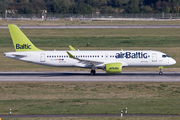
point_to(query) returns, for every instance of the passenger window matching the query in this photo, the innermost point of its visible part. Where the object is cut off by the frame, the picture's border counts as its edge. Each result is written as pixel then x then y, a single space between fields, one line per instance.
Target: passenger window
pixel 167 56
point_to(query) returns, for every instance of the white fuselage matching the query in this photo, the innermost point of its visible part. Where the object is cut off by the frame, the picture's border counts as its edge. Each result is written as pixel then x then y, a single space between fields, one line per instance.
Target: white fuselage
pixel 128 58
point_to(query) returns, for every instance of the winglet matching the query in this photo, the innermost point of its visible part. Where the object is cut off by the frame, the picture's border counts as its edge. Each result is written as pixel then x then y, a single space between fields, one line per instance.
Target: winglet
pixel 72 48
pixel 70 55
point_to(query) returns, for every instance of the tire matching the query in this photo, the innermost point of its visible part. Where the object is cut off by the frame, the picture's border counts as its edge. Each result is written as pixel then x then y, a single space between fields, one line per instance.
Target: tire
pixel 93 72
pixel 160 73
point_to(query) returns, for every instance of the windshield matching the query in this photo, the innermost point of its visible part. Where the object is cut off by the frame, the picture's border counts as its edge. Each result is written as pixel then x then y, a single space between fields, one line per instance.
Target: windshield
pixel 164 56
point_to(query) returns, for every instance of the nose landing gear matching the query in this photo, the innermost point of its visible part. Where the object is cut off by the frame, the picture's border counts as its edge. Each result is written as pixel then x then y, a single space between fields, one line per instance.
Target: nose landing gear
pixel 160 72
pixel 93 72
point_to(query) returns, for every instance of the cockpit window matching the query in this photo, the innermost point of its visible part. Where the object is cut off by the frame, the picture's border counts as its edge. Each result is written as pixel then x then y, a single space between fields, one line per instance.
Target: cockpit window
pixel 164 56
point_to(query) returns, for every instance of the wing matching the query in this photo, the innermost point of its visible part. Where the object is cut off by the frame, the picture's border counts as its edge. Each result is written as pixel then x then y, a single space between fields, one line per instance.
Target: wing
pixel 96 63
pixel 83 60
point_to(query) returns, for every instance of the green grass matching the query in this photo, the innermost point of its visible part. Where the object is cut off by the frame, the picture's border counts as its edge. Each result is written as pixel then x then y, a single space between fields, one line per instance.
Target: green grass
pixel 164 40
pixel 92 106
pixel 98 37
pixel 89 97
pixel 139 41
pixel 97 118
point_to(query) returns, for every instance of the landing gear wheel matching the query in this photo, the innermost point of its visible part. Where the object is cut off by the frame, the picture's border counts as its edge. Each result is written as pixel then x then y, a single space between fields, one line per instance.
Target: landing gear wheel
pixel 93 72
pixel 160 72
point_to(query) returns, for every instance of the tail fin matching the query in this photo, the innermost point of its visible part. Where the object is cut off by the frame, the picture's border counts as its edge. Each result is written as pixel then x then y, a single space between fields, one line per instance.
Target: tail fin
pixel 20 41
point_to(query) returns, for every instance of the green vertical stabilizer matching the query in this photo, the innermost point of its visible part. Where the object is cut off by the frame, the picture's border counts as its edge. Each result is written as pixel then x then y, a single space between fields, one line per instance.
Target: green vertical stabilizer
pixel 20 41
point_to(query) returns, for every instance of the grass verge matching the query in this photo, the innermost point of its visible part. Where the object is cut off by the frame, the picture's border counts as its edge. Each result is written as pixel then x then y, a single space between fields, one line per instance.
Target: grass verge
pixel 98 118
pixel 89 97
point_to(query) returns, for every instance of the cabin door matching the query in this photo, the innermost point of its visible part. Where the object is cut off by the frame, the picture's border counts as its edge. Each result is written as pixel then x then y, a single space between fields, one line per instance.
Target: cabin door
pixel 42 57
pixel 154 57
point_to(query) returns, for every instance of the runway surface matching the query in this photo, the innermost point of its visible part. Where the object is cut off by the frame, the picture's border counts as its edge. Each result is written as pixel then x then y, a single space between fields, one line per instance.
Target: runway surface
pixel 85 76
pixel 92 26
pixel 97 115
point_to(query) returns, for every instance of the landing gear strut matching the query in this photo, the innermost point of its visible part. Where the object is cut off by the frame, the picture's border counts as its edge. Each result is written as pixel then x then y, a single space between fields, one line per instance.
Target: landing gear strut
pixel 160 72
pixel 93 72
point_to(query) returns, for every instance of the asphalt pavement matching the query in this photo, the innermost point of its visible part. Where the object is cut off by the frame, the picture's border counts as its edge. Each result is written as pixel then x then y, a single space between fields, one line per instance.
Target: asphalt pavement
pixel 91 26
pixel 86 77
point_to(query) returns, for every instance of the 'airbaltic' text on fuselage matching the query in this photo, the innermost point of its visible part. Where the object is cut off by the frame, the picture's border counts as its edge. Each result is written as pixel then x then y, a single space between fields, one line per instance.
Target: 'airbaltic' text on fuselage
pixel 24 46
pixel 114 68
pixel 131 55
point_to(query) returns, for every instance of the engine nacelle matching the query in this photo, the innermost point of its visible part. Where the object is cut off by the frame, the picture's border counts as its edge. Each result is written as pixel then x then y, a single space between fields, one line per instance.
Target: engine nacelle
pixel 113 68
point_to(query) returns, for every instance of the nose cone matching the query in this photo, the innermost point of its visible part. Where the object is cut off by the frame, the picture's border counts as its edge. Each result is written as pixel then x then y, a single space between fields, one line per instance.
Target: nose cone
pixel 172 61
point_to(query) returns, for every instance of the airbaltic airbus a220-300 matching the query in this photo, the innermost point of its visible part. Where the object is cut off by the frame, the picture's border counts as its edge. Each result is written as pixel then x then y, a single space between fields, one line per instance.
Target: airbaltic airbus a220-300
pixel 109 61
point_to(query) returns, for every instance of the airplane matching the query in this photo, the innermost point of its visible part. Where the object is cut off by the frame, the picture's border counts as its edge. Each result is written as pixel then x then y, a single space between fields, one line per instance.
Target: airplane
pixel 110 61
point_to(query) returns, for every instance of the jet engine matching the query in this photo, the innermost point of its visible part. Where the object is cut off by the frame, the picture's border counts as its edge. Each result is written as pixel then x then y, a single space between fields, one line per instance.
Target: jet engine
pixel 113 68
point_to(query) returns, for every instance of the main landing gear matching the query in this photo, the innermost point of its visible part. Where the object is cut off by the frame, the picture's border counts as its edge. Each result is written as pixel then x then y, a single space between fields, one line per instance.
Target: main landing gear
pixel 93 72
pixel 160 72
